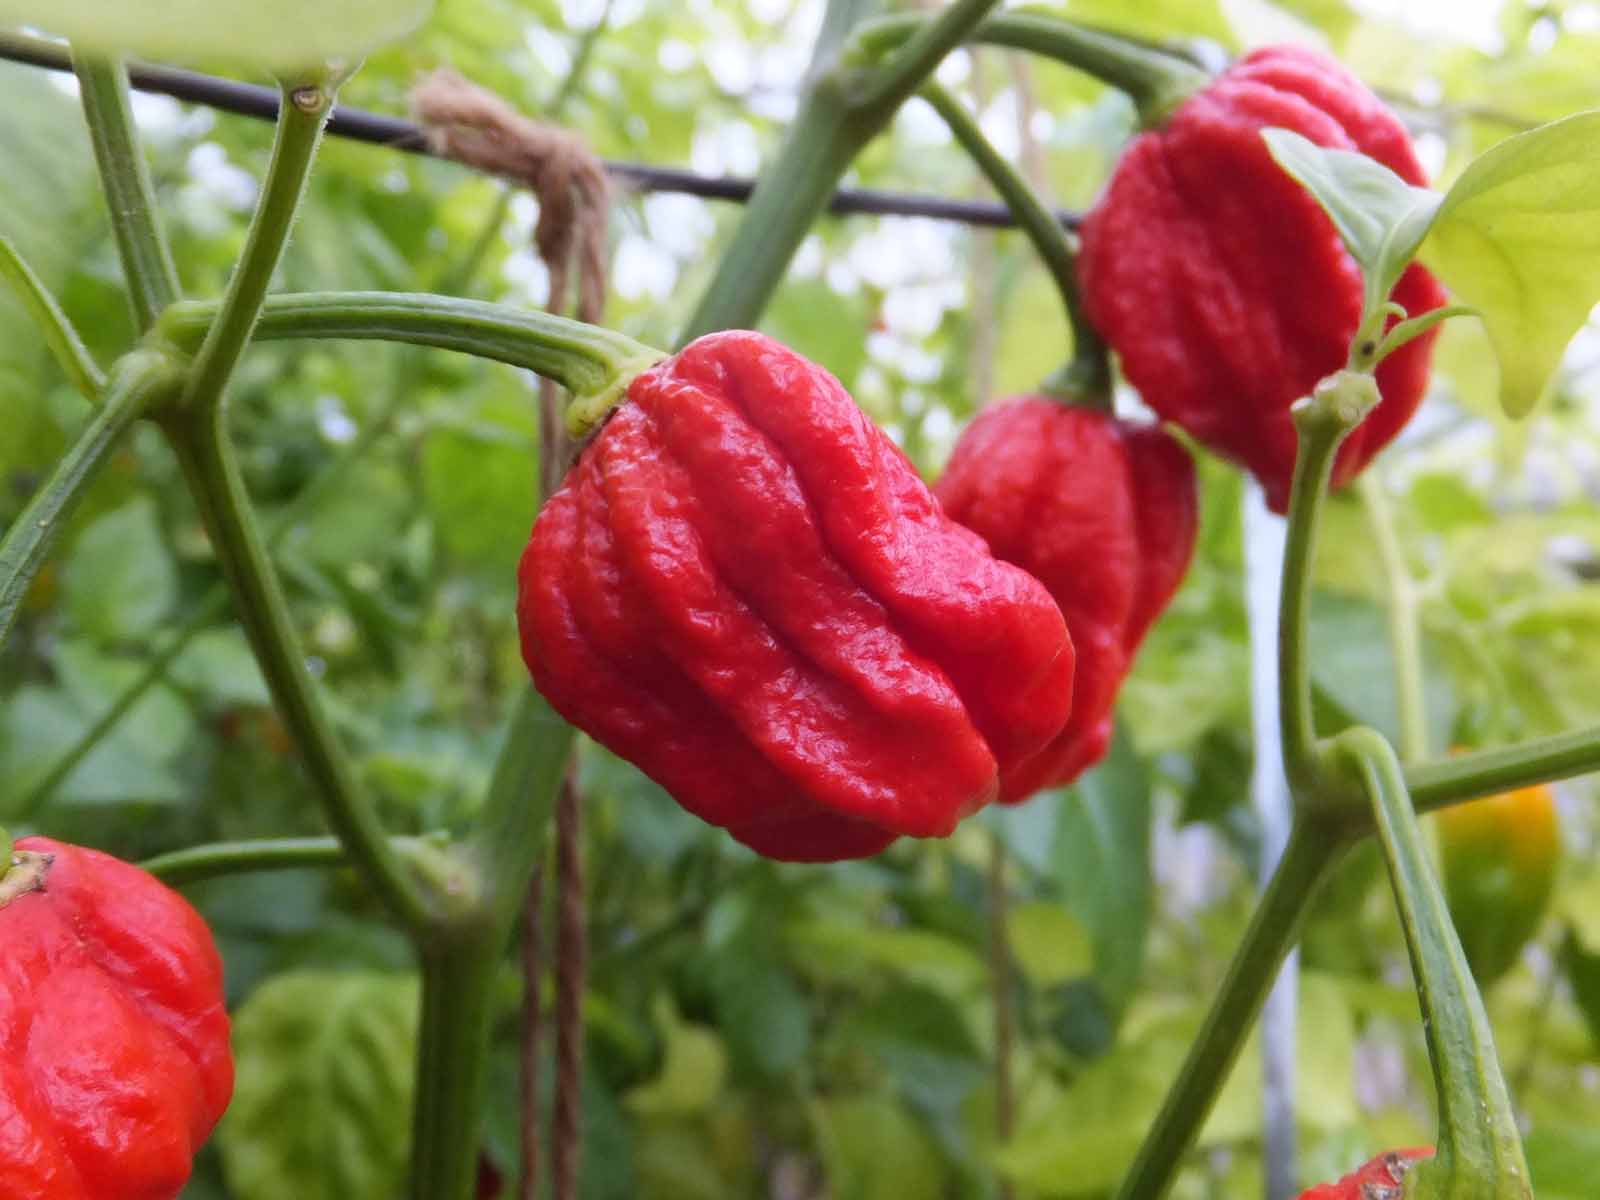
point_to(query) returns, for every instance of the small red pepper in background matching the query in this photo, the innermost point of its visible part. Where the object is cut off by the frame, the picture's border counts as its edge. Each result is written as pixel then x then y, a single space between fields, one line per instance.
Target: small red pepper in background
pixel 1103 513
pixel 114 1057
pixel 744 588
pixel 1225 288
pixel 1381 1179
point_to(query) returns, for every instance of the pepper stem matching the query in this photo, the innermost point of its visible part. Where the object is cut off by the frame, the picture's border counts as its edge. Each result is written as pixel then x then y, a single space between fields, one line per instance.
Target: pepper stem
pixel 1156 82
pixel 1479 1154
pixel 25 872
pixel 1086 379
pixel 6 846
pixel 594 364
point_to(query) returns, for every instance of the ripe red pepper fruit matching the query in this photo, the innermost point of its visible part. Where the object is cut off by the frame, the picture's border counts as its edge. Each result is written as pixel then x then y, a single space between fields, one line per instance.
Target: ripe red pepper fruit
pixel 1225 288
pixel 114 1058
pixel 1381 1179
pixel 1103 513
pixel 744 588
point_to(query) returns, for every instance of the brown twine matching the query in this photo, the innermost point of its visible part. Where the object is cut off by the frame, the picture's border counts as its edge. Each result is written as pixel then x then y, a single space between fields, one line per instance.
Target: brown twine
pixel 532 1030
pixel 478 129
pixel 572 964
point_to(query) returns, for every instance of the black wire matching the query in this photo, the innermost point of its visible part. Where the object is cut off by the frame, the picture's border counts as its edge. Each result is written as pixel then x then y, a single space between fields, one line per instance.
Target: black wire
pixel 251 100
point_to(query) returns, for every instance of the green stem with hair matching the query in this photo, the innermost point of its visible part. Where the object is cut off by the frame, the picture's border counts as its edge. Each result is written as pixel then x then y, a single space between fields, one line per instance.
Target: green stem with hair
pixel 125 179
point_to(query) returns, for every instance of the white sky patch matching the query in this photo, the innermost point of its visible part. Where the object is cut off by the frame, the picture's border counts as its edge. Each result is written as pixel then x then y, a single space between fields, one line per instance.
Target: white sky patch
pixel 1475 22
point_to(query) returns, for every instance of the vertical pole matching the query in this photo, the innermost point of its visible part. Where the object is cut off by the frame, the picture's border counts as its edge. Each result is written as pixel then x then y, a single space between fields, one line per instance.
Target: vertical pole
pixel 1269 793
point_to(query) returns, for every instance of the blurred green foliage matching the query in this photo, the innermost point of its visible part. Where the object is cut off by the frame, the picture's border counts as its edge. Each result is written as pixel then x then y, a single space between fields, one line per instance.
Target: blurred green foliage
pixel 754 1029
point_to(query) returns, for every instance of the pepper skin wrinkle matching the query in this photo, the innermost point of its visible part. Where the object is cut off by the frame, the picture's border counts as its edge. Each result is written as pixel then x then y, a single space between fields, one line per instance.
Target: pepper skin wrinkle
pixel 1381 1179
pixel 1103 513
pixel 114 1056
pixel 744 588
pixel 1221 284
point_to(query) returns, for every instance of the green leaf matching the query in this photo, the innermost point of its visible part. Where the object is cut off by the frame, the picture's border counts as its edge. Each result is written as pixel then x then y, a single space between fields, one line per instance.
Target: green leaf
pixel 692 1073
pixel 321 1108
pixel 1102 854
pixel 760 1010
pixel 219 667
pixel 914 954
pixel 285 35
pixel 1050 944
pixel 875 1150
pixel 923 1040
pixel 1563 1160
pixel 1353 670
pixel 479 481
pixel 1518 238
pixel 1381 218
pixel 120 581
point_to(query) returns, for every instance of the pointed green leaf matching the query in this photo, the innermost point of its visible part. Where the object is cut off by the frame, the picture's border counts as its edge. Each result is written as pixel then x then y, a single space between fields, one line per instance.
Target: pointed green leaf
pixel 323 1098
pixel 1518 238
pixel 1381 218
pixel 287 35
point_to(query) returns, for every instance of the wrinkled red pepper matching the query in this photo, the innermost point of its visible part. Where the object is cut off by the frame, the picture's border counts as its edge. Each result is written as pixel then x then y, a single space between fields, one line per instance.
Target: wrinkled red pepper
pixel 114 1058
pixel 1103 513
pixel 744 588
pixel 1224 287
pixel 1381 1179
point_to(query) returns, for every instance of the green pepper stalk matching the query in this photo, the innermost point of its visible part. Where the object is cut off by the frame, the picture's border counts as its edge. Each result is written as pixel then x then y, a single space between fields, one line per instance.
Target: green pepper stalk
pixel 1156 81
pixel 1479 1154
pixel 1086 378
pixel 594 364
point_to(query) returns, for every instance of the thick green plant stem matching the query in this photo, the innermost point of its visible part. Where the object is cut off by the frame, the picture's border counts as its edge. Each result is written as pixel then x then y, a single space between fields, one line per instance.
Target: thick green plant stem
pixel 1405 628
pixel 139 381
pixel 125 179
pixel 197 431
pixel 459 963
pixel 587 360
pixel 1155 81
pixel 301 115
pixel 843 109
pixel 65 344
pixel 1311 851
pixel 1323 421
pixel 1088 376
pixel 1479 1154
pixel 213 473
pixel 510 834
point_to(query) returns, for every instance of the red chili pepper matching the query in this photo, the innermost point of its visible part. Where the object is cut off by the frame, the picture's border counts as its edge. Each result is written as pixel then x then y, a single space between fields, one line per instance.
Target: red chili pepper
pixel 1381 1179
pixel 744 588
pixel 1224 287
pixel 1103 513
pixel 114 1059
